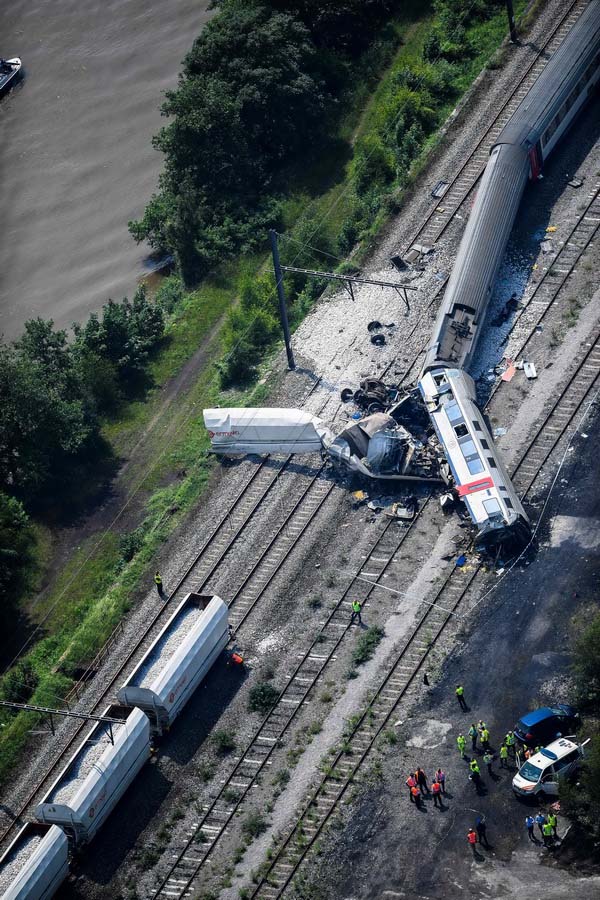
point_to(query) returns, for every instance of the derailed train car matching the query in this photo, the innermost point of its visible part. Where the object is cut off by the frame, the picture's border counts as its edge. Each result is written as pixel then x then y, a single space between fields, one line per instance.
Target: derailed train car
pixel 521 148
pixel 35 864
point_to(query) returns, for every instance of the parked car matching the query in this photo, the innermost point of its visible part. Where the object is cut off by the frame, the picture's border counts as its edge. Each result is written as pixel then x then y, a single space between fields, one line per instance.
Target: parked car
pixel 542 771
pixel 538 728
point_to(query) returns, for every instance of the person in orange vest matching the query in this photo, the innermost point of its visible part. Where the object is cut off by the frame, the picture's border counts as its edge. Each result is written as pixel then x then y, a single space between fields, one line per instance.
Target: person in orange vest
pixel 436 790
pixel 411 782
pixel 416 796
pixel 472 839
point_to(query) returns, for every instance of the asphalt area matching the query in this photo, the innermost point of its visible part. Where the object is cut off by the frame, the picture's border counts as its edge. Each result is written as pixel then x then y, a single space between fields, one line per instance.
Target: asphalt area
pixel 517 657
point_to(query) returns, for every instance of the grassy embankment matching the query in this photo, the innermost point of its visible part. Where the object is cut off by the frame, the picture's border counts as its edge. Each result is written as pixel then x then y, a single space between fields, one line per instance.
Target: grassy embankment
pixel 96 587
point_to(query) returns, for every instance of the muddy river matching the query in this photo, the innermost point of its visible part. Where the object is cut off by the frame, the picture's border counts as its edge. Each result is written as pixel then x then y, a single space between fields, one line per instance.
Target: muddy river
pixel 76 162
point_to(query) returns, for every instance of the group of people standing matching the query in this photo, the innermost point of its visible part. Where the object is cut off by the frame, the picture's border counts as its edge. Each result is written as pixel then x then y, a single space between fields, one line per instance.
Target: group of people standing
pixel 418 788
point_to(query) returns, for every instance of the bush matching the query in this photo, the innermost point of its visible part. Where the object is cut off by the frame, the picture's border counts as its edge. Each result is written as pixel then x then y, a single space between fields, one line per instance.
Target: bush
pixel 254 824
pixel 262 697
pixel 170 293
pixel 16 544
pixel 224 742
pixel 366 644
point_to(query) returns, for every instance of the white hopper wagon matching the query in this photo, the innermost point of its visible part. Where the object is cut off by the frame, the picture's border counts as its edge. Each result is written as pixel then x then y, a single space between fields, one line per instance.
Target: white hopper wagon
pixel 35 864
pixel 97 776
pixel 178 660
pixel 265 431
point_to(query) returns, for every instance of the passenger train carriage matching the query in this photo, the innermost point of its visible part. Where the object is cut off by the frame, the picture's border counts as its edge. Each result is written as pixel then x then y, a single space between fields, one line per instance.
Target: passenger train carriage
pixel 480 478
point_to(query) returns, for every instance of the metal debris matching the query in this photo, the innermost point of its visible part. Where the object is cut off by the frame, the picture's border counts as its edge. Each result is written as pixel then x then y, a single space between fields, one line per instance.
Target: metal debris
pixel 530 370
pixel 440 189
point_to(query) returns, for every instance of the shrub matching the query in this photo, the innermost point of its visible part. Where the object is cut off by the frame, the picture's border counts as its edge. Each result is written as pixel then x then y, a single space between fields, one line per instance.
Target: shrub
pixel 224 742
pixel 262 697
pixel 366 644
pixel 254 824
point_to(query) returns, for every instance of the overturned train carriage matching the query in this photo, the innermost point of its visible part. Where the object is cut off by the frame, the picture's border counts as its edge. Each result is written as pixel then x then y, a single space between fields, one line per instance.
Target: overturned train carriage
pixel 35 864
pixel 480 479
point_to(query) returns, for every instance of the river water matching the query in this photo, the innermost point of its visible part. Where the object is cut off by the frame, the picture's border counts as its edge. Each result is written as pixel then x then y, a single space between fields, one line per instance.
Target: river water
pixel 76 162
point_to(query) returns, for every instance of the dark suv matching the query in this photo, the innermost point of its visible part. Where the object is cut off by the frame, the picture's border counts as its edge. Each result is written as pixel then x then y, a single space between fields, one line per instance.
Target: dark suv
pixel 547 723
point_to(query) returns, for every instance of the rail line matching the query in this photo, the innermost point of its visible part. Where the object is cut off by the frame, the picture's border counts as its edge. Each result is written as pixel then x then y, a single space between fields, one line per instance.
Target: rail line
pixel 317 811
pixel 218 813
pixel 468 175
pixel 233 523
pixel 264 477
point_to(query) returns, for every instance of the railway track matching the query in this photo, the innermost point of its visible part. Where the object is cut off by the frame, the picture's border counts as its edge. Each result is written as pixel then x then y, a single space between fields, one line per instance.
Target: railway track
pixel 264 478
pixel 583 385
pixel 305 501
pixel 219 812
pixel 463 183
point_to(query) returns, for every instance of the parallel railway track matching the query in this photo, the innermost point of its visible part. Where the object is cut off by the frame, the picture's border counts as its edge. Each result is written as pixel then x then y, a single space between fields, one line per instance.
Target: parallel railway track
pixel 219 812
pixel 583 386
pixel 266 474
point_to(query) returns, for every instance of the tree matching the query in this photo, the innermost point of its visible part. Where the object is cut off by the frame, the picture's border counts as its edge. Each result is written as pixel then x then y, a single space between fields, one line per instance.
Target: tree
pixel 45 421
pixel 16 542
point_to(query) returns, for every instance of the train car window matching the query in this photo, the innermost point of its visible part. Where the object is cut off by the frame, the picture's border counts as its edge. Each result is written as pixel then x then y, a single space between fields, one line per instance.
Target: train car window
pixel 485 444
pixel 461 430
pixel 468 448
pixel 491 506
pixel 508 503
pixel 475 466
pixel 453 412
pixel 492 462
pixel 477 425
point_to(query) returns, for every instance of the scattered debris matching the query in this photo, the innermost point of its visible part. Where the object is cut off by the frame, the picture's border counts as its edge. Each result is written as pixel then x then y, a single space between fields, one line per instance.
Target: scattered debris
pixel 374 326
pixel 584 435
pixel 498 432
pixel 440 209
pixel 510 371
pixel 378 340
pixel 546 246
pixel 360 496
pixel 539 328
pixel 575 182
pixel 500 571
pixel 551 229
pixel 447 501
pixel 460 562
pixel 398 263
pixel 423 249
pixel 530 370
pixel 347 395
pixel 440 189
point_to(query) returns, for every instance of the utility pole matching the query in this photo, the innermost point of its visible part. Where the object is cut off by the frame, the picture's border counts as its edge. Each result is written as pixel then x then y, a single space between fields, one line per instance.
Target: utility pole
pixel 511 22
pixel 282 303
pixel 69 714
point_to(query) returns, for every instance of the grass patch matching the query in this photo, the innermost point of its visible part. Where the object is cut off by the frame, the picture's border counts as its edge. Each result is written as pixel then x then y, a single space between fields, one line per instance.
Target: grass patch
pixel 262 697
pixel 223 742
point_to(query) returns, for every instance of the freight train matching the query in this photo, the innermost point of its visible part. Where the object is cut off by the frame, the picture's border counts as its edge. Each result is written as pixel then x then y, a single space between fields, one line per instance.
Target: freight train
pixel 106 762
pixel 476 472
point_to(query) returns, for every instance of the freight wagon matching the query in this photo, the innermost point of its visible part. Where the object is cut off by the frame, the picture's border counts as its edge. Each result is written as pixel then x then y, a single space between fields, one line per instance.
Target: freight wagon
pixel 98 775
pixel 178 660
pixel 35 864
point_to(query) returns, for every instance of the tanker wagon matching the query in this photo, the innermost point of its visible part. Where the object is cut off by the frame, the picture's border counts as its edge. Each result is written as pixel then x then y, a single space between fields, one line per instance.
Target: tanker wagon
pixel 178 660
pixel 35 864
pixel 97 775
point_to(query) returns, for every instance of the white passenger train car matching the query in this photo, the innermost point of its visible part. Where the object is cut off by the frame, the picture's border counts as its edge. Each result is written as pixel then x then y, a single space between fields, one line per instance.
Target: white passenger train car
pixel 97 776
pixel 178 660
pixel 35 864
pixel 480 479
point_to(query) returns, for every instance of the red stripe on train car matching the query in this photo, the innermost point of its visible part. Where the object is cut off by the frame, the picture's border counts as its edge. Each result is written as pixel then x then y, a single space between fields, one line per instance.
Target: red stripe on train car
pixel 474 486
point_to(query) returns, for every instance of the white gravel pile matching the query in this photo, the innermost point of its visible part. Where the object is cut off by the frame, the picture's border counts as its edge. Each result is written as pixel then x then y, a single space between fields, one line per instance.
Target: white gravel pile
pixel 167 646
pixel 20 856
pixel 80 770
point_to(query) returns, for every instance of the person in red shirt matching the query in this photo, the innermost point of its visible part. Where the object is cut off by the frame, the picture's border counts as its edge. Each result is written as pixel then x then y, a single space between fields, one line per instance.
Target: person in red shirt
pixel 472 839
pixel 436 790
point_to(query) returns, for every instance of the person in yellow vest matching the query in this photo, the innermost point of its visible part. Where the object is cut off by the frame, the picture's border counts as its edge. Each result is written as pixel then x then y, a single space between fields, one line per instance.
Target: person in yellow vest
pixel 510 741
pixel 159 585
pixel 485 738
pixel 547 834
pixel 460 696
pixel 504 757
pixel 461 742
pixel 356 609
pixel 553 822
